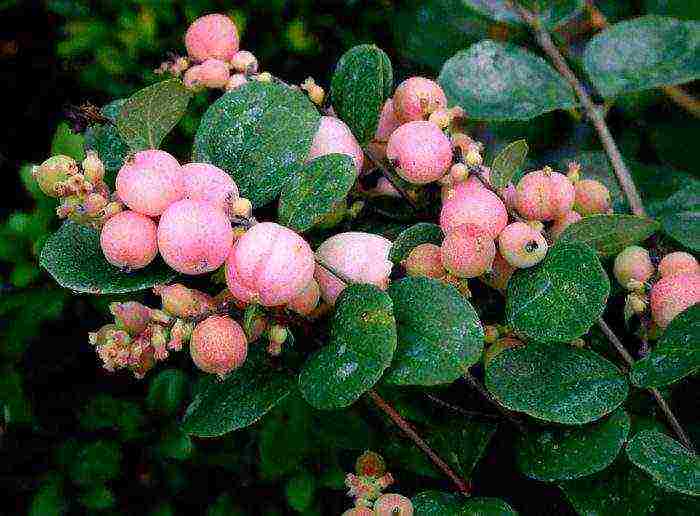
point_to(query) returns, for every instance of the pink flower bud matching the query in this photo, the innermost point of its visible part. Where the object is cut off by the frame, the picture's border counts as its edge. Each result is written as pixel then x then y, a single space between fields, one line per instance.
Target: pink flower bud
pixel 468 251
pixel 128 240
pixel 370 464
pixel 180 301
pixel 307 300
pixel 212 73
pixel 672 295
pixel 131 316
pixel 544 195
pixel 218 345
pixel 388 123
pixel 207 183
pixel 213 36
pixel 244 62
pixel 678 263
pixel 93 168
pixel 333 136
pixel 467 203
pixel 418 97
pixel 421 151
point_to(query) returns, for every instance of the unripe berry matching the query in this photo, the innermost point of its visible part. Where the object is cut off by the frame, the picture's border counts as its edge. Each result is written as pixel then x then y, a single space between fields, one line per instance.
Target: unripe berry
pixel 236 81
pixel 242 208
pixel 194 237
pixel 128 240
pixel 333 136
pixel 672 295
pixel 212 73
pixel 307 300
pixel 218 345
pixel 633 267
pixel 421 151
pixel 591 197
pixel 180 301
pixel 269 264
pixel 499 347
pixel 131 316
pixel 678 263
pixel 54 172
pixel 416 98
pixel 425 260
pixel 392 504
pixel 544 195
pixel 207 183
pixel 213 36
pixel 521 245
pixel 360 257
pixel 93 168
pixel 244 62
pixel 150 181
pixel 561 223
pixel 388 123
pixel 468 251
pixel 465 203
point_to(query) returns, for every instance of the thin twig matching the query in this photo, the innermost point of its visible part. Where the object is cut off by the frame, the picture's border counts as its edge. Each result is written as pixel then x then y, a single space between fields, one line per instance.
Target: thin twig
pixel 462 485
pixel 390 177
pixel 487 395
pixel 460 410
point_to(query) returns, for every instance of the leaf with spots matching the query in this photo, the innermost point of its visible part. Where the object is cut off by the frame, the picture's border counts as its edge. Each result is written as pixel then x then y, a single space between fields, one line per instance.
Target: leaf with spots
pixel 684 227
pixel 438 503
pixel 421 233
pixel 362 344
pixel 556 382
pixel 509 161
pixel 439 333
pixel 610 234
pixel 74 258
pixel 559 299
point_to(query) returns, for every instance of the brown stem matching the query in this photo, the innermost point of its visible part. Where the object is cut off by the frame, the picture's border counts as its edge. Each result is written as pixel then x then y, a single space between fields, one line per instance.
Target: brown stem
pixel 460 410
pixel 462 485
pixel 391 178
pixel 487 395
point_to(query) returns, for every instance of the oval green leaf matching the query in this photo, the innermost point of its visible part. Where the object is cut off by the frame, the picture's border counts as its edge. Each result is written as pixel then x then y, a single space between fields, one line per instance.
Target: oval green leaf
pixel 362 344
pixel 74 258
pixel 421 233
pixel 260 134
pixel 643 53
pixel 509 161
pixel 438 503
pixel 684 227
pixel 559 299
pixel 362 82
pixel 610 234
pixel 439 333
pixel 556 382
pixel 499 81
pixel 666 461
pixel 314 191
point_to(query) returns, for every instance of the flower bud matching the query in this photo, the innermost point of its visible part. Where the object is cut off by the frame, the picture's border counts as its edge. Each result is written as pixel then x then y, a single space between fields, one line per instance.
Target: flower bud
pixel 244 62
pixel 93 168
pixel 56 170
pixel 131 316
pixel 180 301
pixel 370 464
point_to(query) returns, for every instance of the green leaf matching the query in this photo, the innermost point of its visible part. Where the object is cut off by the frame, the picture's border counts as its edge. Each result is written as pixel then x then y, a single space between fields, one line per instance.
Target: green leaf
pixel 485 506
pixel 556 382
pixel 362 81
pixel 300 491
pixel 500 81
pixel 260 134
pixel 151 113
pixel 552 13
pixel 49 499
pixel 167 391
pixel 676 354
pixel 240 400
pixel 509 161
pixel 105 412
pixel 684 227
pixel 315 190
pixel 98 498
pixel 74 258
pixel 96 462
pixel 362 344
pixel 421 233
pixel 438 503
pixel 559 299
pixel 610 234
pixel 569 453
pixel 643 53
pixel 68 143
pixel 106 140
pixel 439 333
pixel 175 444
pixel 666 461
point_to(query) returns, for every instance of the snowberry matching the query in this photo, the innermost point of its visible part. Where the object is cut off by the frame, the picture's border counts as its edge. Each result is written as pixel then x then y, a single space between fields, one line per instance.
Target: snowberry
pixel 563 222
pixel 212 73
pixel 421 151
pixel 218 345
pixel 150 181
pixel 131 316
pixel 388 123
pixel 678 263
pixel 498 347
pixel 128 240
pixel 212 36
pixel 333 136
pixel 466 203
pixel 521 245
pixel 244 62
pixel 424 260
pixel 544 195
pixel 307 300
pixel 52 174
pixel 358 511
pixel 269 264
pixel 633 267
pixel 235 81
pixel 180 301
pixel 392 504
pixel 468 251
pixel 591 197
pixel 207 183
pixel 359 257
pixel 672 295
pixel 194 237
pixel 416 98
pixel 459 173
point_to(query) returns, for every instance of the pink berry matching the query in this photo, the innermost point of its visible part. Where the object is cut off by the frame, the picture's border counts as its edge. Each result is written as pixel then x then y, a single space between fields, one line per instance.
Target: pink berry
pixel 218 345
pixel 244 62
pixel 183 302
pixel 544 195
pixel 150 182
pixel 212 36
pixel 236 81
pixel 269 264
pixel 359 257
pixel 128 240
pixel 468 251
pixel 421 151
pixel 306 301
pixel 425 260
pixel 194 237
pixel 591 197
pixel 672 295
pixel 212 73
pixel 388 123
pixel 358 511
pixel 466 203
pixel 416 98
pixel 633 264
pixel 521 245
pixel 561 223
pixel 207 183
pixel 392 504
pixel 678 263
pixel 333 136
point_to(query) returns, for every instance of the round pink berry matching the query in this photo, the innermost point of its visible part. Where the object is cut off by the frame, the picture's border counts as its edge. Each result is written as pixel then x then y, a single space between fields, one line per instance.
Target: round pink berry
pixel 194 237
pixel 521 245
pixel 561 223
pixel 333 136
pixel 425 260
pixel 672 295
pixel 544 195
pixel 207 183
pixel 218 345
pixel 591 197
pixel 388 123
pixel 468 251
pixel 421 151
pixel 128 240
pixel 307 300
pixel 359 257
pixel 150 181
pixel 467 203
pixel 416 98
pixel 391 504
pixel 633 264
pixel 212 73
pixel 212 36
pixel 678 263
pixel 270 264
